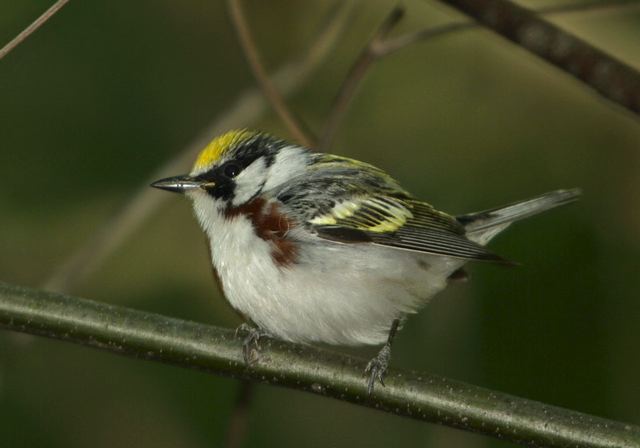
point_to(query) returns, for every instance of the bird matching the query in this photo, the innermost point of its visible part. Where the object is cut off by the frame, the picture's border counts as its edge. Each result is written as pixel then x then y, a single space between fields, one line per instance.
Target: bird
pixel 311 247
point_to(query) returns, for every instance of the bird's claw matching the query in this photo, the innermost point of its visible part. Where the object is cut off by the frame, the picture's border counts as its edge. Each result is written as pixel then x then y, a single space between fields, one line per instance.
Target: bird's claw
pixel 243 328
pixel 250 343
pixel 377 368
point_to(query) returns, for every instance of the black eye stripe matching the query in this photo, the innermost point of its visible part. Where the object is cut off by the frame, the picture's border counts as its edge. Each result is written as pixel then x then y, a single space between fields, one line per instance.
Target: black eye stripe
pixel 223 191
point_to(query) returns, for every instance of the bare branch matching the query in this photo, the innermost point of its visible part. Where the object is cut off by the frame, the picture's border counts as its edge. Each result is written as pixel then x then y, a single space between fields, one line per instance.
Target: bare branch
pixel 391 45
pixel 611 78
pixel 248 107
pixel 380 46
pixel 270 91
pixel 32 28
pixel 217 351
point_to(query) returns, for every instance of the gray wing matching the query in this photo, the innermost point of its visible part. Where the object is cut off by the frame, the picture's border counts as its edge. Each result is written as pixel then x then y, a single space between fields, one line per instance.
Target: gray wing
pixel 417 228
pixel 356 204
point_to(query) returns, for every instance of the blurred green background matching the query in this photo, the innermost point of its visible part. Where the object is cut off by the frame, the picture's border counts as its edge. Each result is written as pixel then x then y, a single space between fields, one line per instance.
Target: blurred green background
pixel 108 91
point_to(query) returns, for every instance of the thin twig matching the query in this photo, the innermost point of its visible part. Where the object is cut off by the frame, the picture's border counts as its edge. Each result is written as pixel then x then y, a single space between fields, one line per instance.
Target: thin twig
pixel 247 108
pixel 392 45
pixel 239 420
pixel 270 91
pixel 32 28
pixel 214 350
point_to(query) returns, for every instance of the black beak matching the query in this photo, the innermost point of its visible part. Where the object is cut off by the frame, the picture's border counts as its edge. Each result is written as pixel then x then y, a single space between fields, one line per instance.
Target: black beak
pixel 178 184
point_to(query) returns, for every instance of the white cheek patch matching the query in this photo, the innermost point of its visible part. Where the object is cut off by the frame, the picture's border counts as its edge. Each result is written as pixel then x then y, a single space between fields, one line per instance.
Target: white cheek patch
pixel 207 209
pixel 250 182
pixel 289 162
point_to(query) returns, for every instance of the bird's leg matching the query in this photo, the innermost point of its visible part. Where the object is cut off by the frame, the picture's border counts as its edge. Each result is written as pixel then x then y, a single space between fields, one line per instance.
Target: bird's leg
pixel 250 343
pixel 377 367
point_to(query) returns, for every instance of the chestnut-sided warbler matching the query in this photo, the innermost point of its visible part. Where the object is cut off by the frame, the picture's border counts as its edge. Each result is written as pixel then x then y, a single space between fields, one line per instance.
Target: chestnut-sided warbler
pixel 314 247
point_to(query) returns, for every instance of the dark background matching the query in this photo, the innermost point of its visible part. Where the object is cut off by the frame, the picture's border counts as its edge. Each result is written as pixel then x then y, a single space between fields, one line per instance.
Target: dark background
pixel 108 91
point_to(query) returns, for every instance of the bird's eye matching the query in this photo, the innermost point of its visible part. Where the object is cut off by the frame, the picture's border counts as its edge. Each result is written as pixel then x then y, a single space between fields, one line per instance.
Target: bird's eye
pixel 232 169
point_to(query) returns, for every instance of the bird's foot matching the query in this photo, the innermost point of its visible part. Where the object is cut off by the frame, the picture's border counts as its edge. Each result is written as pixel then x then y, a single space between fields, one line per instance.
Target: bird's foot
pixel 377 367
pixel 250 343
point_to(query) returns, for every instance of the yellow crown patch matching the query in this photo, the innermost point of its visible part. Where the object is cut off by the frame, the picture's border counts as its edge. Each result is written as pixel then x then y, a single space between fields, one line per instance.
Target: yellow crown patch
pixel 219 146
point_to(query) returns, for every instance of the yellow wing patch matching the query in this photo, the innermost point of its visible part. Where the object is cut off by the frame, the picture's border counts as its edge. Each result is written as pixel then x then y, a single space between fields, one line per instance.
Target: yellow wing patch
pixel 219 146
pixel 379 215
pixel 340 211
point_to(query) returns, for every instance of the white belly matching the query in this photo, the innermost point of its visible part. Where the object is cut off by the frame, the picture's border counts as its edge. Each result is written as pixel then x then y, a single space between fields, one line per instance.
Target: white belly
pixel 334 293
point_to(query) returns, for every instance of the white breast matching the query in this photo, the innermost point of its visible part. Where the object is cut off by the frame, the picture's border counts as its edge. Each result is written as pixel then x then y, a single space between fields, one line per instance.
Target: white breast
pixel 333 293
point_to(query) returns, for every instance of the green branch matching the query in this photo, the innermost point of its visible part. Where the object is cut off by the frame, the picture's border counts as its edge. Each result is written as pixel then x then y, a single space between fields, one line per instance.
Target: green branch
pixel 421 396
